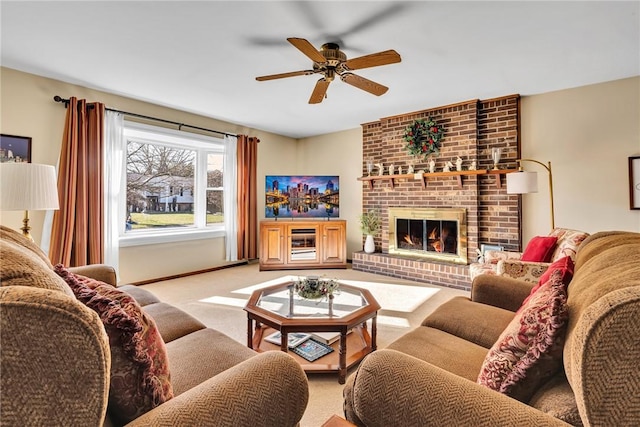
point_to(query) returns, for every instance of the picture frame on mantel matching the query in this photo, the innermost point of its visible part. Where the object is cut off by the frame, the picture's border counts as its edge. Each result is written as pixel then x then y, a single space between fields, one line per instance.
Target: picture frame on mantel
pixel 634 182
pixel 15 149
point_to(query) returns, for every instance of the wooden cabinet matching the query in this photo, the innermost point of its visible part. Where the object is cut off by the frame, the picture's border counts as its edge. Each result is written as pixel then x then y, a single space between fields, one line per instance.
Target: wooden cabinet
pixel 303 244
pixel 272 244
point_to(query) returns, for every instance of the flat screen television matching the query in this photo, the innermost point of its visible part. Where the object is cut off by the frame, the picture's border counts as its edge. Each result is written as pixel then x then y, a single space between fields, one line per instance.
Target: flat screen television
pixel 302 196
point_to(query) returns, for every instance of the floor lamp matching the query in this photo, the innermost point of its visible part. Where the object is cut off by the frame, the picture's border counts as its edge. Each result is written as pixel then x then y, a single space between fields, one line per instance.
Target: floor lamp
pixel 523 182
pixel 28 187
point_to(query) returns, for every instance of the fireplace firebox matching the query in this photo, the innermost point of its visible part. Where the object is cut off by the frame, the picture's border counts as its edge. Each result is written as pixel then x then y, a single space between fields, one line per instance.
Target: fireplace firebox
pixel 433 233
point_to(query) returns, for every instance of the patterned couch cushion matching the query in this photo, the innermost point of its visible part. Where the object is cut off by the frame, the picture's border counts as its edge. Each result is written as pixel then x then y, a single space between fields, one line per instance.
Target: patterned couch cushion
pixel 529 351
pixel 140 378
pixel 568 242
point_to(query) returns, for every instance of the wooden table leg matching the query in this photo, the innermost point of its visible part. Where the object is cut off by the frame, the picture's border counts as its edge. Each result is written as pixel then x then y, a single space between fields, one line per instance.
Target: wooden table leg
pixel 249 332
pixel 342 364
pixel 374 331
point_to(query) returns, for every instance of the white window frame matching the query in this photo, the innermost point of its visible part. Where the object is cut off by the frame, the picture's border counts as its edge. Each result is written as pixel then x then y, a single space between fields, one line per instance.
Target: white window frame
pixel 203 145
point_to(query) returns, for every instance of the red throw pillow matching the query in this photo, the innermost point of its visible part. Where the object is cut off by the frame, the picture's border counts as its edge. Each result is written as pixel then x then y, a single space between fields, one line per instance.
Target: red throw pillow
pixel 529 351
pixel 540 249
pixel 564 265
pixel 140 378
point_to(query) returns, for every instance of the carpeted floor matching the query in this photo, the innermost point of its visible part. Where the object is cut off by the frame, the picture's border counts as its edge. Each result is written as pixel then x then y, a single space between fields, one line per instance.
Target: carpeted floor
pixel 217 299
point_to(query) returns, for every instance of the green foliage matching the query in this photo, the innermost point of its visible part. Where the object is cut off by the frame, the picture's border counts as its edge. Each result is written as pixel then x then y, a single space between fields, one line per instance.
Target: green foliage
pixel 423 137
pixel 370 222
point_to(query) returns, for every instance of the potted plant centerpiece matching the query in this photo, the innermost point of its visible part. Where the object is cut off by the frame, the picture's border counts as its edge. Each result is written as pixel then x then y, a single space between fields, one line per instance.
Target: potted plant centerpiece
pixel 369 225
pixel 313 287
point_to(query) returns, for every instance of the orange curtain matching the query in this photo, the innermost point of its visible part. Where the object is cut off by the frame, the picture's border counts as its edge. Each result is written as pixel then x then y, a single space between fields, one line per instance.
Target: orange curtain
pixel 247 199
pixel 77 233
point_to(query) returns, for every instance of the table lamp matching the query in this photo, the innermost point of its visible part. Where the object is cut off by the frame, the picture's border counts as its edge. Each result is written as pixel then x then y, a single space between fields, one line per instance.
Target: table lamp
pixel 28 187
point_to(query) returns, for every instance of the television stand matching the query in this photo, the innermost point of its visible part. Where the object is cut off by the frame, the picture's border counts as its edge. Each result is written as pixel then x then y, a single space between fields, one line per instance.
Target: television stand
pixel 303 244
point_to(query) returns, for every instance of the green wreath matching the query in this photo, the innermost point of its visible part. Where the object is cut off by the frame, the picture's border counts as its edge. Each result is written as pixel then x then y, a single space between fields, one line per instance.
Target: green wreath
pixel 423 137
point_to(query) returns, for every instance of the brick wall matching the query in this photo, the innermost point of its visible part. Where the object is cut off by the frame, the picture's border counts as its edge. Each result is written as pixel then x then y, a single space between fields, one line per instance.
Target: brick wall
pixel 472 129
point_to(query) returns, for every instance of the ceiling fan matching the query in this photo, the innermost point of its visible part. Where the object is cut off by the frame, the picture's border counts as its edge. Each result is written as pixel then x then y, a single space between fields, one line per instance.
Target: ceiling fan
pixel 331 61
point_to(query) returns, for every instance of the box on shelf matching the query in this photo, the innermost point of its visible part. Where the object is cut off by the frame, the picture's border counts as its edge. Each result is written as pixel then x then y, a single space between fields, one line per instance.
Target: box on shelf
pixel 327 337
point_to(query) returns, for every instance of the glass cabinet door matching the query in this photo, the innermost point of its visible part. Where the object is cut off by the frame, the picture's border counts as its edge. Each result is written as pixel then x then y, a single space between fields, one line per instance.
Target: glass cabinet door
pixel 303 245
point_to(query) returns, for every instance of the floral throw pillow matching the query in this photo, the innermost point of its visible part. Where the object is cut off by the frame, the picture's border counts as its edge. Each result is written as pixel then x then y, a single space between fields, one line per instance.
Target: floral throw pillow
pixel 529 350
pixel 564 265
pixel 140 378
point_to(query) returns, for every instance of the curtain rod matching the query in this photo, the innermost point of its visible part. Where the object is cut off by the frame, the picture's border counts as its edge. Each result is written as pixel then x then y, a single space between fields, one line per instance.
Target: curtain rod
pixel 140 116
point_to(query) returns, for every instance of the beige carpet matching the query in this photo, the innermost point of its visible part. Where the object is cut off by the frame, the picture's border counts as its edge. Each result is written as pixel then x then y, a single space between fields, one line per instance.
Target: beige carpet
pixel 217 299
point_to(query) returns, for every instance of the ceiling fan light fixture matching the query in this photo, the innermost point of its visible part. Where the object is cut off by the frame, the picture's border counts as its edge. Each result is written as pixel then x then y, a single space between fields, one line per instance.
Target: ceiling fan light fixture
pixel 330 60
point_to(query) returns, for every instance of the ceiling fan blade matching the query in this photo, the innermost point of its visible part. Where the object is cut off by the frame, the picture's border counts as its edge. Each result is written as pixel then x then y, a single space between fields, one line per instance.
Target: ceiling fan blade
pixel 307 48
pixel 364 84
pixel 319 91
pixel 283 75
pixel 373 60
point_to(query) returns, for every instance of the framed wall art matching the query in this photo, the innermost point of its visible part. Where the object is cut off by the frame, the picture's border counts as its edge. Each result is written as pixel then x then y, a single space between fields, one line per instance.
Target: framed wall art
pixel 15 149
pixel 634 182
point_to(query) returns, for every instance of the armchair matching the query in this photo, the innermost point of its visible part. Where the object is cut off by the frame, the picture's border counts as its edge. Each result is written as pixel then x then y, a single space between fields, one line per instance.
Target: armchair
pixel 510 264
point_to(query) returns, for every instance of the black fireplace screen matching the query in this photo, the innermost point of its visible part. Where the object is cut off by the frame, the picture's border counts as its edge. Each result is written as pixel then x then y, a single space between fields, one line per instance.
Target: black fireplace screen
pixel 427 235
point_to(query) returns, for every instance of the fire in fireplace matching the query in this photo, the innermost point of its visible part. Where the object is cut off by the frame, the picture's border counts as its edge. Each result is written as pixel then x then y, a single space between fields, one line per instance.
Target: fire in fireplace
pixel 437 233
pixel 427 235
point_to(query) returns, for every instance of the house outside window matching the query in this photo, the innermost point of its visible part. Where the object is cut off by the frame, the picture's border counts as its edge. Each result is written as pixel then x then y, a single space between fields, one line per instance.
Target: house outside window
pixel 174 186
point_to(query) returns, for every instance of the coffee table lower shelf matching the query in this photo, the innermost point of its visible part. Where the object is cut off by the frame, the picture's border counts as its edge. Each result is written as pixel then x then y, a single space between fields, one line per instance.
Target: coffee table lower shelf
pixel 358 346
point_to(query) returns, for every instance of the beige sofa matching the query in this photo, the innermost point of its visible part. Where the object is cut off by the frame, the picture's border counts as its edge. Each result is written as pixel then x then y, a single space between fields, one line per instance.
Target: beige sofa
pixel 55 358
pixel 428 377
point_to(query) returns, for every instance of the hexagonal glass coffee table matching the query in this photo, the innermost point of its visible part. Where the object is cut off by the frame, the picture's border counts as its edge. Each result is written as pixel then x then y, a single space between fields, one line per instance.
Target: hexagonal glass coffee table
pixel 278 308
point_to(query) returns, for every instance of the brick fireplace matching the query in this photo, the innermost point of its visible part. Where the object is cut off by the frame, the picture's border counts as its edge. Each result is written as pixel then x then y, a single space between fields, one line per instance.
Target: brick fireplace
pixel 490 215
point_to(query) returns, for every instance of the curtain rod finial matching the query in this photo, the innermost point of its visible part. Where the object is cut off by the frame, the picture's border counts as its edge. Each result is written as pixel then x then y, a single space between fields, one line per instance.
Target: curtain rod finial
pixel 62 100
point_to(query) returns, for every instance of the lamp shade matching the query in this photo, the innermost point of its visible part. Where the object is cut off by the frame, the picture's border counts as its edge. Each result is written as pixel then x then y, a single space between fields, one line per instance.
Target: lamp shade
pixel 28 187
pixel 522 182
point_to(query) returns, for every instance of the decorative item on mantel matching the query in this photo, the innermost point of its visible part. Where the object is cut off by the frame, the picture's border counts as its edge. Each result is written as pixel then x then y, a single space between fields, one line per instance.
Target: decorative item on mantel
pixel 370 225
pixel 447 167
pixel 423 137
pixel 432 165
pixel 473 166
pixel 380 167
pixel 496 155
pixel 459 163
pixel 369 165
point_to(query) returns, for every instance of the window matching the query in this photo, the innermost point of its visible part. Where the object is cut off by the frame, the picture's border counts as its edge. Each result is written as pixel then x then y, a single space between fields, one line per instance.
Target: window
pixel 174 185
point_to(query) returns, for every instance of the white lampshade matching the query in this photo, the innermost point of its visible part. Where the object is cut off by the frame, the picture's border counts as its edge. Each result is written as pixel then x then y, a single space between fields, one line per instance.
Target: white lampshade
pixel 522 182
pixel 28 187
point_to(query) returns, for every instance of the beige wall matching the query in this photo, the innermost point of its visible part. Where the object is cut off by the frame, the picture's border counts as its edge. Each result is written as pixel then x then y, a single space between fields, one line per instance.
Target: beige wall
pixel 339 154
pixel 27 109
pixel 587 133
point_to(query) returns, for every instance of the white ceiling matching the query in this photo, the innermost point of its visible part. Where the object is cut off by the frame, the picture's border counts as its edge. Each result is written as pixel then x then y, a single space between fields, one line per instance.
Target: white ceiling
pixel 203 56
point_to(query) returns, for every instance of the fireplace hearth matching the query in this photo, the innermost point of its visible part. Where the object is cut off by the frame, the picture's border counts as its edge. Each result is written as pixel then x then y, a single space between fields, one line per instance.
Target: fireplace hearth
pixel 430 233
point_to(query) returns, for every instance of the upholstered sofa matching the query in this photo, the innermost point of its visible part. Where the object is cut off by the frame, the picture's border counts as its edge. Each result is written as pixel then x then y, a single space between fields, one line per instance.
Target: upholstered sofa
pixel 430 376
pixel 510 264
pixel 55 357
